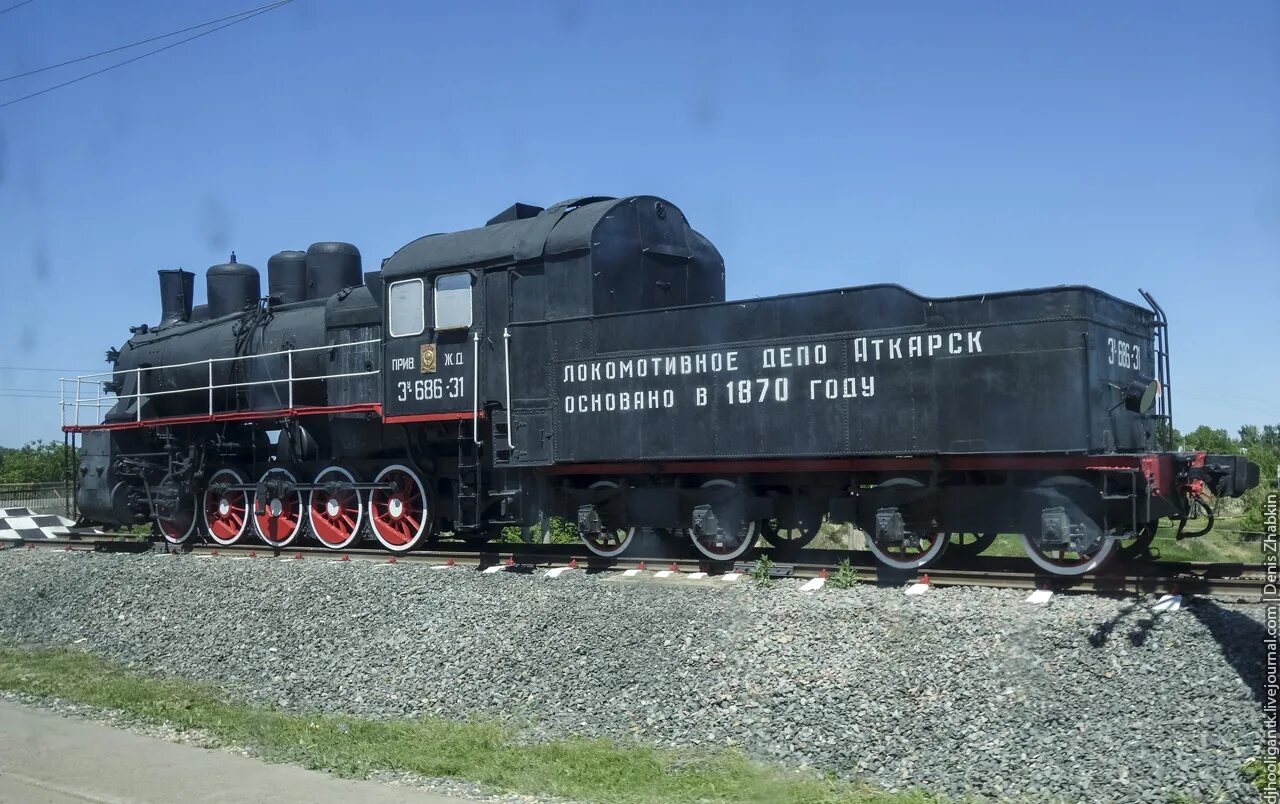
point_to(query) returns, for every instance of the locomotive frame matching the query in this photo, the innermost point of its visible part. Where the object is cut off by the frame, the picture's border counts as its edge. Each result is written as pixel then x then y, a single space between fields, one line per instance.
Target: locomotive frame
pixel 581 361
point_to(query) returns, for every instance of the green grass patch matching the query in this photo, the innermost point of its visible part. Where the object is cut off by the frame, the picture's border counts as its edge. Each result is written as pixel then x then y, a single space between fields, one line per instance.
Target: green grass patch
pixel 1225 543
pixel 1222 544
pixel 487 753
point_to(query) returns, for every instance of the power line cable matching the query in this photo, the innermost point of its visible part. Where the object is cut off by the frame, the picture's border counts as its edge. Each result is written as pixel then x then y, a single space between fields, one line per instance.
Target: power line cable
pixel 144 55
pixel 15 5
pixel 267 7
pixel 33 368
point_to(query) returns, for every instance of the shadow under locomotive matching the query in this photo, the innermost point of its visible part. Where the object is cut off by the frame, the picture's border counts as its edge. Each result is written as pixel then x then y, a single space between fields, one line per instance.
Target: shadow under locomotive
pixel 581 362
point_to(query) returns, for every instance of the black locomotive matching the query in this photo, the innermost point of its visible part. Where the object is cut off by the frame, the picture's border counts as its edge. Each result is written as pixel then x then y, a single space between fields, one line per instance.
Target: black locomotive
pixel 581 361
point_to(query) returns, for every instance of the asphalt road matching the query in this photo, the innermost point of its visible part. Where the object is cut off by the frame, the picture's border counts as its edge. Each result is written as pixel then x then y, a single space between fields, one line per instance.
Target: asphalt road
pixel 47 759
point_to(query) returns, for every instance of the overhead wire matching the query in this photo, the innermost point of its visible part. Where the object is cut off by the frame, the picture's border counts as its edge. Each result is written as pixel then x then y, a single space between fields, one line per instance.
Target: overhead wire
pixel 33 368
pixel 15 5
pixel 248 16
pixel 149 40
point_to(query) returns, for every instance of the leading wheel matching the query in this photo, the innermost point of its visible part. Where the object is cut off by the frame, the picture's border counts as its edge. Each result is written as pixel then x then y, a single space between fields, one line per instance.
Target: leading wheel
pixel 401 512
pixel 727 533
pixel 335 509
pixel 277 517
pixel 225 512
pixel 175 517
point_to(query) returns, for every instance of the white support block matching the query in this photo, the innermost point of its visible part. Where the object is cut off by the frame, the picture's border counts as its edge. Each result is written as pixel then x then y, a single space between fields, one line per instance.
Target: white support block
pixel 1169 603
pixel 697 576
pixel 442 566
pixel 662 573
pixel 492 570
pixel 813 584
pixel 917 588
pixel 556 572
pixel 731 576
pixel 631 573
pixel 1040 596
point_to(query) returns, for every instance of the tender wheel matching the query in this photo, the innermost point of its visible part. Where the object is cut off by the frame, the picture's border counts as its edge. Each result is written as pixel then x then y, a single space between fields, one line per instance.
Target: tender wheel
pixel 280 520
pixel 1138 545
pixel 970 544
pixel 789 539
pixel 721 531
pixel 610 541
pixel 335 509
pixel 1067 499
pixel 914 552
pixel 225 512
pixel 1065 562
pixel 401 514
pixel 894 542
pixel 176 520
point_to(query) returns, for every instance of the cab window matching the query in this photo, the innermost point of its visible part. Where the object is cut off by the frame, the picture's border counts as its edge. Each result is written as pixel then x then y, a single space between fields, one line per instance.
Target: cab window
pixel 405 308
pixel 453 301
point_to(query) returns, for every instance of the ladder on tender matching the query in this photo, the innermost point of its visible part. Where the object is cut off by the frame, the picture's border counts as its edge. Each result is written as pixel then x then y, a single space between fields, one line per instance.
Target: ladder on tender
pixel 470 477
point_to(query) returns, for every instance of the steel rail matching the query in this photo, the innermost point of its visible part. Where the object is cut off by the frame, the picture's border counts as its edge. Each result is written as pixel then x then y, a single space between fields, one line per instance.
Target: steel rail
pixel 1220 579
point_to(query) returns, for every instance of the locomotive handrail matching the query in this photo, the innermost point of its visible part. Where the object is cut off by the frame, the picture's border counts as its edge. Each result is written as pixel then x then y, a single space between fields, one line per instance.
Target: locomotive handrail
pixel 110 398
pixel 506 370
pixel 475 387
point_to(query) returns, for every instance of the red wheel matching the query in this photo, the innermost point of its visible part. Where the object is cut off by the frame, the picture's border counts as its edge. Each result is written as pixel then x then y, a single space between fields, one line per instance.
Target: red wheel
pixel 335 509
pixel 281 517
pixel 226 512
pixel 400 514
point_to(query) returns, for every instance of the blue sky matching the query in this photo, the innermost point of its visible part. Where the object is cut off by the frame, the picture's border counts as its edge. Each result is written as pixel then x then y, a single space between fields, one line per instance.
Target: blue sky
pixel 950 147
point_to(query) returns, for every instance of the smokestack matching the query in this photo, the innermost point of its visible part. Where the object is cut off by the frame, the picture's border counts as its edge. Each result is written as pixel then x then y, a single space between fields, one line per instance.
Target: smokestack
pixel 176 286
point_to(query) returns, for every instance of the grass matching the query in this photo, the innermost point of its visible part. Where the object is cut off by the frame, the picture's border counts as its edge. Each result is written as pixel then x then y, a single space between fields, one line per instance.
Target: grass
pixel 487 753
pixel 1222 544
pixel 762 571
pixel 845 576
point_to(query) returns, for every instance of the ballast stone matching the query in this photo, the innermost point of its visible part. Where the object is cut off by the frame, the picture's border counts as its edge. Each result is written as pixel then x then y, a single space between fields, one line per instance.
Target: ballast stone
pixel 974 694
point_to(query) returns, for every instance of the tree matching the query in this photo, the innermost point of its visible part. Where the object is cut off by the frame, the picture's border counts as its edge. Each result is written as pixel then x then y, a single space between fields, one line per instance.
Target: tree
pixel 1208 439
pixel 37 462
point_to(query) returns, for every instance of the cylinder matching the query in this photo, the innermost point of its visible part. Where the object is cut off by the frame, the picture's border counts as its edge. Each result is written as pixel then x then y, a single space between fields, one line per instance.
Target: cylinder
pixel 231 287
pixel 176 286
pixel 287 276
pixel 332 267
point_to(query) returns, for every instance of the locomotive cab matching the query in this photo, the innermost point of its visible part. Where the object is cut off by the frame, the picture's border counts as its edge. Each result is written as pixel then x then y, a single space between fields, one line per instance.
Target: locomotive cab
pixel 449 297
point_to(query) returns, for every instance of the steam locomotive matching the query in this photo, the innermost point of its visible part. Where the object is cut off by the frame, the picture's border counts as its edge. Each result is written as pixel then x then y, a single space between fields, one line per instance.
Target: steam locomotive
pixel 581 361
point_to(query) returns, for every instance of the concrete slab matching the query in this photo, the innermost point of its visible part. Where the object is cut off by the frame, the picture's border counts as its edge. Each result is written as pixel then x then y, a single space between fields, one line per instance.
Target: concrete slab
pixel 47 759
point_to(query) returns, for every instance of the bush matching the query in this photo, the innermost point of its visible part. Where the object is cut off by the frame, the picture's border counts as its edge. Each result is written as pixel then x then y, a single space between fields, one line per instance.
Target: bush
pixel 562 532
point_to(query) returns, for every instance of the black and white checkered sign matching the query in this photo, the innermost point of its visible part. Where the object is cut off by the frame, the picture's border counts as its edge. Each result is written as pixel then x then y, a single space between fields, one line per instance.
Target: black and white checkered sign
pixel 20 524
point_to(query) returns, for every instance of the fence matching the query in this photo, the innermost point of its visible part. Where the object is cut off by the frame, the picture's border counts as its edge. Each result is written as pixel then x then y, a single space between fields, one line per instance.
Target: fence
pixel 41 498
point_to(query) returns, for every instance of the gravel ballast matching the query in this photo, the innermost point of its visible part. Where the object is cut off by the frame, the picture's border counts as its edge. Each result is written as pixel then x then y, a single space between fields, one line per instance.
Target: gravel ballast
pixel 958 691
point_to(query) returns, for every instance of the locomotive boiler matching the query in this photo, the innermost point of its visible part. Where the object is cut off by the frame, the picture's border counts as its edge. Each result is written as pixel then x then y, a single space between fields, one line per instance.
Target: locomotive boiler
pixel 581 361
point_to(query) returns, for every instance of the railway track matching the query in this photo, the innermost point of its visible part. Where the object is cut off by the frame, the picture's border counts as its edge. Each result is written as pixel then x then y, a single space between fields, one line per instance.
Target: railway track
pixel 1217 579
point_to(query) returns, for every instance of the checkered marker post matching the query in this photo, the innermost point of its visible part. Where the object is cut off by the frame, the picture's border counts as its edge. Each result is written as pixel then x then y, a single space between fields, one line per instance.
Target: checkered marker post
pixel 20 524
